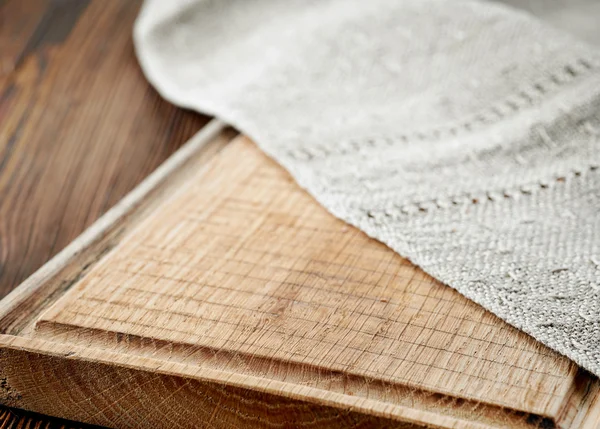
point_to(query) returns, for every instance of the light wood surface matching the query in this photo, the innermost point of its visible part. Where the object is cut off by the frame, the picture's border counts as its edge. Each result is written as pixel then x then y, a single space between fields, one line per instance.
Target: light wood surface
pixel 238 301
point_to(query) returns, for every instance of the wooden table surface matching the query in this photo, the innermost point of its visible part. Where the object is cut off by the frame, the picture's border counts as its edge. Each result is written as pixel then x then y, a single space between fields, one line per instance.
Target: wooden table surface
pixel 79 128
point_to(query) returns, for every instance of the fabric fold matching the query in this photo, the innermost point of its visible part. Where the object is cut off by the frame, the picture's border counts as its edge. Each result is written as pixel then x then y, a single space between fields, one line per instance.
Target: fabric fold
pixel 464 135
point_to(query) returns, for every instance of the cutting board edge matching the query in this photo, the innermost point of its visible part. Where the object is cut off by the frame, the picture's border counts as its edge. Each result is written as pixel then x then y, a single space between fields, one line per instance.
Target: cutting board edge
pixel 17 353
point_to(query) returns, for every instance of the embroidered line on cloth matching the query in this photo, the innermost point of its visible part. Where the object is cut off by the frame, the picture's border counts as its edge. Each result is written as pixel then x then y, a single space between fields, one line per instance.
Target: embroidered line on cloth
pixel 527 97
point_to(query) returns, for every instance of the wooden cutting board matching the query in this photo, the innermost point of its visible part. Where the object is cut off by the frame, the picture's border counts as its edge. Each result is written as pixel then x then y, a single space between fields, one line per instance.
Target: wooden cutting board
pixel 220 294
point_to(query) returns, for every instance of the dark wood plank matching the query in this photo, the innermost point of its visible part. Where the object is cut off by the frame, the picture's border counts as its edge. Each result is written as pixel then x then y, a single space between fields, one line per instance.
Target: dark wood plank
pixel 18 21
pixel 79 128
pixel 24 30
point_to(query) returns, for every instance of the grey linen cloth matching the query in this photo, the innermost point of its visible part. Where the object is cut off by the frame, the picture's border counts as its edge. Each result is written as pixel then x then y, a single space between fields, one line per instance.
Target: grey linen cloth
pixel 465 135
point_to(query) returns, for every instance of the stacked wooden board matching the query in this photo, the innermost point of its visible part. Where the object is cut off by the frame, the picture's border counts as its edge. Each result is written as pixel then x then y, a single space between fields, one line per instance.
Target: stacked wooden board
pixel 220 294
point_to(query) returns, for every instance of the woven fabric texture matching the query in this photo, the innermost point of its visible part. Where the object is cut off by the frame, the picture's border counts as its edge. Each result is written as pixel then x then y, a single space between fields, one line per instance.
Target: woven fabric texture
pixel 465 135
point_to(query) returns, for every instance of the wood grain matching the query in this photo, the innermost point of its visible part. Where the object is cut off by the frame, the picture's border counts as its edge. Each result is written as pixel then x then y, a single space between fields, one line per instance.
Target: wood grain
pixel 79 125
pixel 238 300
pixel 53 135
pixel 79 128
pixel 19 419
pixel 245 264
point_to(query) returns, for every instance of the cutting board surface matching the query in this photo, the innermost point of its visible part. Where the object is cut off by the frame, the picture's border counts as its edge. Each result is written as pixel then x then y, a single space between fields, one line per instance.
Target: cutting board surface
pixel 245 263
pixel 239 278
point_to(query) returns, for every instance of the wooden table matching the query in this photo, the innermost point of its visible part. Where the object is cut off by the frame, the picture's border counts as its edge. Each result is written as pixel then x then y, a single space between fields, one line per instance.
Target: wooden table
pixel 79 128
